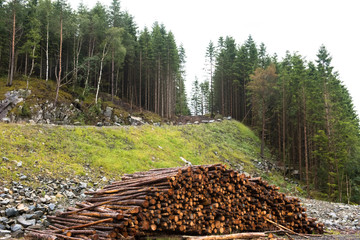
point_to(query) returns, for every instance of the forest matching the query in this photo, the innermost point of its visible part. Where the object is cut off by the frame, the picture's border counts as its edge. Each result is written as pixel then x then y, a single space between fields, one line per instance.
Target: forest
pixel 98 50
pixel 300 109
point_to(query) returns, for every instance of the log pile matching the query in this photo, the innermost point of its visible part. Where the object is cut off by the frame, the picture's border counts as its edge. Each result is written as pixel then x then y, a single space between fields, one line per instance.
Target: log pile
pixel 197 200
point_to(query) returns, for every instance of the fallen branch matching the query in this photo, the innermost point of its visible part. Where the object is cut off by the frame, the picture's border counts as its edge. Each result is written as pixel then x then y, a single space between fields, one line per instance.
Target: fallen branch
pixel 285 228
pixel 228 236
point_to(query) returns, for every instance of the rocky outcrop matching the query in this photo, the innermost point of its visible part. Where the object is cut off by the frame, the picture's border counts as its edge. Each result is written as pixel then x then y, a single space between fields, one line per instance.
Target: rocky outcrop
pixel 12 98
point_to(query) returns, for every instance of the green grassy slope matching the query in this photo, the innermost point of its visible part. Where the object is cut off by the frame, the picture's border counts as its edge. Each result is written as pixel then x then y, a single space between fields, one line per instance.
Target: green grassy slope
pixel 112 151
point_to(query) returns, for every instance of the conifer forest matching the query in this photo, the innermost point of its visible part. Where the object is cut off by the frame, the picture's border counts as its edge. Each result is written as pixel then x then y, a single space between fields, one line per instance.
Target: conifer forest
pixel 300 109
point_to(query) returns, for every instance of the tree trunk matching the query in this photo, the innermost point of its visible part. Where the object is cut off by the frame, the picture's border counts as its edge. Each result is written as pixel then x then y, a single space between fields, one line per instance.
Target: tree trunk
pixel 26 64
pixel 100 73
pixel 32 67
pixel 47 51
pixel 112 73
pixel 263 129
pixel 12 65
pixel 306 150
pixel 299 147
pixel 283 124
pixel 140 79
pixel 58 81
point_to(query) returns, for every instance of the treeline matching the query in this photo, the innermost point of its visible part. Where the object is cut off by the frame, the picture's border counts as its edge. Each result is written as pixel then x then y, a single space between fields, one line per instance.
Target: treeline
pixel 97 50
pixel 299 107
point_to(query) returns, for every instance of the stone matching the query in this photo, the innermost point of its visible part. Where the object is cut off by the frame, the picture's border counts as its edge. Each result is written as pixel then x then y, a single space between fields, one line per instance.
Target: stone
pixel 26 223
pixel 99 124
pixel 108 112
pixel 4 232
pixel 83 185
pixel 32 122
pixel 23 177
pixel 104 179
pixel 38 214
pixel 11 212
pixel 69 194
pixel 5 159
pixel 196 122
pixel 6 120
pixel 333 215
pixel 136 121
pixel 22 208
pixel 185 161
pixel 19 164
pixel 16 227
pixel 5 202
pixel 52 206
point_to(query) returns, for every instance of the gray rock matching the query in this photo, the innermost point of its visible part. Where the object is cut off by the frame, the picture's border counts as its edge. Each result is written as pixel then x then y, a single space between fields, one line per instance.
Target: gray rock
pixel 185 161
pixel 69 194
pixel 19 164
pixel 83 185
pixel 38 214
pixel 23 177
pixel 2 227
pixel 26 223
pixel 136 121
pixel 3 219
pixel 99 124
pixel 6 120
pixel 16 227
pixel 333 215
pixel 108 112
pixel 4 232
pixel 5 202
pixel 11 212
pixel 52 206
pixel 5 159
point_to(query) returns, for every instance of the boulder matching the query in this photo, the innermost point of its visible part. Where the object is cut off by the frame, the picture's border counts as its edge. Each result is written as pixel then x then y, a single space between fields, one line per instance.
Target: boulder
pixel 108 112
pixel 6 120
pixel 136 121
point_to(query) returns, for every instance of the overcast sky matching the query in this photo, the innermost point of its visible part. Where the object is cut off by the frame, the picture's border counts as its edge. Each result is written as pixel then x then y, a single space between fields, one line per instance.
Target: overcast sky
pixel 297 26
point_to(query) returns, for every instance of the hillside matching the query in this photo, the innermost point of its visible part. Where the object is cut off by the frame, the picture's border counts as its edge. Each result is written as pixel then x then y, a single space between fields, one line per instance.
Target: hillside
pixel 60 144
pixel 112 151
pixel 73 107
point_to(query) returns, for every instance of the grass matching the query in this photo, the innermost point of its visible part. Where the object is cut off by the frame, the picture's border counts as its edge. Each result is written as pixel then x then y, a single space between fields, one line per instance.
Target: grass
pixel 59 151
pixel 72 151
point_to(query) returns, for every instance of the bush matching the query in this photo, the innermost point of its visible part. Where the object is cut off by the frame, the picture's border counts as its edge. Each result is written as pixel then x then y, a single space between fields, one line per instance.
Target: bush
pixel 24 111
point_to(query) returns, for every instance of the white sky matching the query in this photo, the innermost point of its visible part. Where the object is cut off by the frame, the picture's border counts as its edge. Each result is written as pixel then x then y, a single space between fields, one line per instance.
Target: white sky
pixel 294 25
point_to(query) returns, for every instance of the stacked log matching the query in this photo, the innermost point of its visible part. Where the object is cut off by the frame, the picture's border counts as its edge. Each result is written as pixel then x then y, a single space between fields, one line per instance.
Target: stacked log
pixel 196 200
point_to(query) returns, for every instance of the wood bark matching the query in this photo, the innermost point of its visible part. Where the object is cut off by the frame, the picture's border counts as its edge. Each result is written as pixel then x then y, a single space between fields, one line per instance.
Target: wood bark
pixel 200 200
pixel 104 53
pixel 12 55
pixel 58 80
